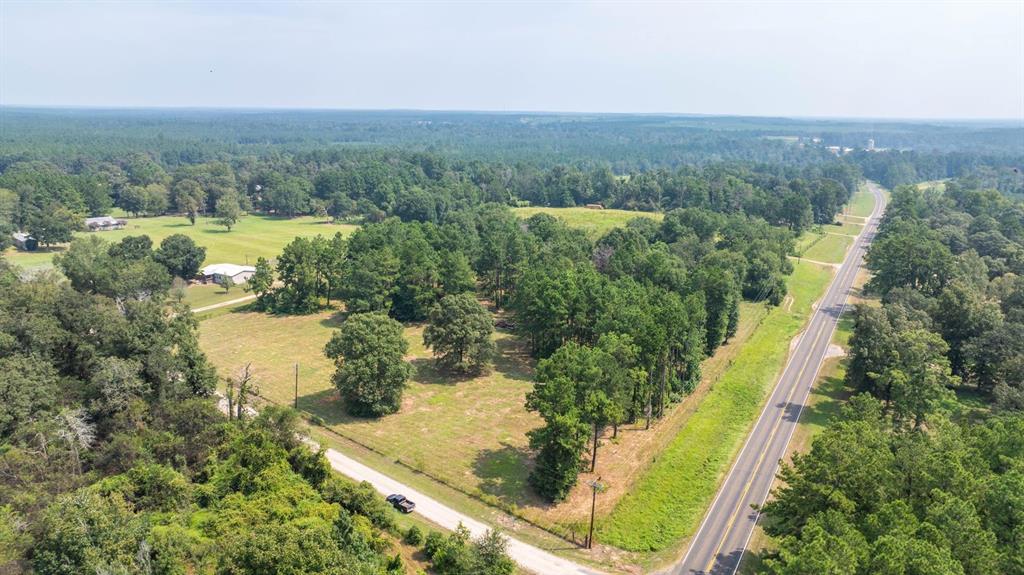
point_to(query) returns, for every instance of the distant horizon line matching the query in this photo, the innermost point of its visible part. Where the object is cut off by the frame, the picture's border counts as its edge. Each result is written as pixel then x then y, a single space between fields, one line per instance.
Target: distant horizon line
pixel 858 119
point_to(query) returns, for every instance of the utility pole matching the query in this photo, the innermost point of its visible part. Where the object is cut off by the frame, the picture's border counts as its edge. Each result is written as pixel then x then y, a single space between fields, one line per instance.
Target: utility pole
pixel 595 485
pixel 296 405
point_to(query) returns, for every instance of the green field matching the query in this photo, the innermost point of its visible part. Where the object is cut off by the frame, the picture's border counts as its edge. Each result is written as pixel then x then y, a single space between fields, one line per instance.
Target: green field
pixel 594 222
pixel 252 237
pixel 848 228
pixel 667 504
pixel 203 295
pixel 806 240
pixel 861 204
pixel 828 248
pixel 937 185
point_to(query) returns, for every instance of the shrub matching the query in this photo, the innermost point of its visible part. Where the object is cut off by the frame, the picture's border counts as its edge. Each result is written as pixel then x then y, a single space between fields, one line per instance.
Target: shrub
pixel 433 543
pixel 414 536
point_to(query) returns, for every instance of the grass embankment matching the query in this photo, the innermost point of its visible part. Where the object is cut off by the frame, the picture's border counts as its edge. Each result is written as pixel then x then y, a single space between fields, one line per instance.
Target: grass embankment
pixel 252 237
pixel 828 248
pixel 861 203
pixel 595 223
pixel 667 503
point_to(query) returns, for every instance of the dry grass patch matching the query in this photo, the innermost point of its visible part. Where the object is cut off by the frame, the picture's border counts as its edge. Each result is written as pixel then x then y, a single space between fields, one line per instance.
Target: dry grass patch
pixel 467 431
pixel 595 223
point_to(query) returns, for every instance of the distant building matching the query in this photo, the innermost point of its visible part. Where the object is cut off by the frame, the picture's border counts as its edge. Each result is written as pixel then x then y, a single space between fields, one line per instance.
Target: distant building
pixel 103 223
pixel 214 273
pixel 595 207
pixel 871 145
pixel 25 242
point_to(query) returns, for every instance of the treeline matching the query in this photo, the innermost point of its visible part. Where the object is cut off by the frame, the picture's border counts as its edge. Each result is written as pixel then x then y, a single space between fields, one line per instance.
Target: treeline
pixel 644 305
pixel 629 143
pixel 870 499
pixel 908 479
pixel 893 168
pixel 49 201
pixel 621 331
pixel 948 266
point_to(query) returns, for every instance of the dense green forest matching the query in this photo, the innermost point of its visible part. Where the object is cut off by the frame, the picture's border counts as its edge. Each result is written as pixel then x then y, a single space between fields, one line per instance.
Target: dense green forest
pixel 924 472
pixel 626 142
pixel 115 458
pixel 59 165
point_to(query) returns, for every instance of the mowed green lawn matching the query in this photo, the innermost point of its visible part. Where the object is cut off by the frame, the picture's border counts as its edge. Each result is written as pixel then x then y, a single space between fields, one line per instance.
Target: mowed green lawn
pixel 595 223
pixel 861 204
pixel 829 248
pixel 252 237
pixel 202 295
pixel 666 505
pixel 844 227
pixel 470 432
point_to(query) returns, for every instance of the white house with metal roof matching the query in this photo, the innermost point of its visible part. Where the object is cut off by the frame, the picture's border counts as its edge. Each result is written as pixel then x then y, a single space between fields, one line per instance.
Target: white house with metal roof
pixel 238 274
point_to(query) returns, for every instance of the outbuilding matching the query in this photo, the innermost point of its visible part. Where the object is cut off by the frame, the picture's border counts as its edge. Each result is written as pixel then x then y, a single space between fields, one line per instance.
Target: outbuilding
pixel 214 273
pixel 25 242
pixel 103 223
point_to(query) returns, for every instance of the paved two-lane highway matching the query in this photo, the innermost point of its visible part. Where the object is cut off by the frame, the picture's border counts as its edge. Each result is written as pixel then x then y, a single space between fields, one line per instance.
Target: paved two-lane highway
pixel 719 544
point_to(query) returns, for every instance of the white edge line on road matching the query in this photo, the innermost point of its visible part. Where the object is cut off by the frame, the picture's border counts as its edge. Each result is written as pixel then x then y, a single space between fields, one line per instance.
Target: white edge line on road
pixel 739 456
pixel 768 403
pixel 807 394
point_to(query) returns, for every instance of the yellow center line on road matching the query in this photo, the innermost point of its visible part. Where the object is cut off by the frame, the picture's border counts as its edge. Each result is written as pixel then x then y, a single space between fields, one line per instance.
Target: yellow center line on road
pixel 764 452
pixel 852 267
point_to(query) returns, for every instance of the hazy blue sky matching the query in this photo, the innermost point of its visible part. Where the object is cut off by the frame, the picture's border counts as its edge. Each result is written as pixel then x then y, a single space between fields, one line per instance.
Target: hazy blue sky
pixel 963 60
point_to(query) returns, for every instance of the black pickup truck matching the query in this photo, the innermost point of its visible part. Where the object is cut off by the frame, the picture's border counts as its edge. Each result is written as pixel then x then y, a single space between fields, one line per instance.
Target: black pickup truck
pixel 400 503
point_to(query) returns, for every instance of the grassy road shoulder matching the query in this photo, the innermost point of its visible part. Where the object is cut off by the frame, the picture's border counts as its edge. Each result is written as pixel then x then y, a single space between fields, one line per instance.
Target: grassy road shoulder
pixel 666 505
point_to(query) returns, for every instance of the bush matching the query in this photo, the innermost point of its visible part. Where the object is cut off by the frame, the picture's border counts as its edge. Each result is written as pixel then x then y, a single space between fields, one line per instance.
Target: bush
pixel 413 536
pixel 433 543
pixel 360 499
